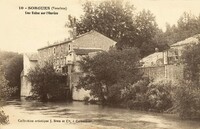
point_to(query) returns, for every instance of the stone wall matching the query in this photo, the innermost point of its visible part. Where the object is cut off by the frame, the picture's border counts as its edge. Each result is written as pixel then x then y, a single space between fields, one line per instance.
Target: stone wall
pixel 173 73
pixel 79 94
pixel 56 53
pixel 25 87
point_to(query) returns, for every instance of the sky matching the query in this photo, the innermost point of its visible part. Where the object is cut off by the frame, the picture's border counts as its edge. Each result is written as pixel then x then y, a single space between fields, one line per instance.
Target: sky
pixel 20 32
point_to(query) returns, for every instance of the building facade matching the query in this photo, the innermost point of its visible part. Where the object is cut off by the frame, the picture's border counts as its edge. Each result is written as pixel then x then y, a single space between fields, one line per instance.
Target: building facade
pixel 167 64
pixel 30 60
pixel 65 57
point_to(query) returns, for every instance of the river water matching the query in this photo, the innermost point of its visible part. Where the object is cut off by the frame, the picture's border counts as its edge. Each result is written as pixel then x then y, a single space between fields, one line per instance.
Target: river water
pixel 77 115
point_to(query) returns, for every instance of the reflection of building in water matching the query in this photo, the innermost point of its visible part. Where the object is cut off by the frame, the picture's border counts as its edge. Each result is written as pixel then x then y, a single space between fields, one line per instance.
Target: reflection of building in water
pixel 65 56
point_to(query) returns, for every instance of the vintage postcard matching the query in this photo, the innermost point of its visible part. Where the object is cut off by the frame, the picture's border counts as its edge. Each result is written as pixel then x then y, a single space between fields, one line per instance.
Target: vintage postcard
pixel 99 64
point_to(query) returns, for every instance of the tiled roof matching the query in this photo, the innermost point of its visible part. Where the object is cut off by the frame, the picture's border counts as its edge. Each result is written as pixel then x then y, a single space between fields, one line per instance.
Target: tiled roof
pixel 155 55
pixel 191 40
pixel 92 39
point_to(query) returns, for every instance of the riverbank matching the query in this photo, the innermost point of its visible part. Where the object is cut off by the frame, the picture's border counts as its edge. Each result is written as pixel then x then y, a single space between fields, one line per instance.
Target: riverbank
pixel 77 115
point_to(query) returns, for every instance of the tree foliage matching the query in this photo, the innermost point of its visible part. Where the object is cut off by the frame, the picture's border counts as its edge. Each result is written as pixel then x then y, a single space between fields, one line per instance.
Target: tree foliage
pixel 187 100
pixel 191 59
pixel 5 93
pixel 46 83
pixel 5 90
pixel 12 65
pixel 187 25
pixel 148 95
pixel 13 69
pixel 108 72
pixel 187 94
pixel 120 22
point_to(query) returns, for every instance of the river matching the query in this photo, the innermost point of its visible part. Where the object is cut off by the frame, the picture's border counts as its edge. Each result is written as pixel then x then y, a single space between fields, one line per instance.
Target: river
pixel 77 115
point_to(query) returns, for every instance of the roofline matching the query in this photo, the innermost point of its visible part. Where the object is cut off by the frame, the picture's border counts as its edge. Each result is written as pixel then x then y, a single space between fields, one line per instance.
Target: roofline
pixel 176 44
pixel 55 45
pixel 65 41
pixel 87 48
pixel 34 60
pixel 72 40
pixel 179 45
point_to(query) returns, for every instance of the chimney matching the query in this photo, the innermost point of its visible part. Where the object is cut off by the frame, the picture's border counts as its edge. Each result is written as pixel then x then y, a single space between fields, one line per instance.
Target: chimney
pixel 71 34
pixel 74 32
pixel 72 26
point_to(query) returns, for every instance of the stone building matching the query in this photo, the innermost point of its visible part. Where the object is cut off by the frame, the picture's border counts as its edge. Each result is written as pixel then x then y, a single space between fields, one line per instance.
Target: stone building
pixel 29 62
pixel 167 64
pixel 65 56
pixel 170 56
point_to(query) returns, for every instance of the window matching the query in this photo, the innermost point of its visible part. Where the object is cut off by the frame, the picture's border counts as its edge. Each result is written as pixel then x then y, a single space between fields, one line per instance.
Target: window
pixel 65 69
pixel 58 61
pixel 61 48
pixel 69 47
pixel 61 61
pixel 54 50
pixel 54 62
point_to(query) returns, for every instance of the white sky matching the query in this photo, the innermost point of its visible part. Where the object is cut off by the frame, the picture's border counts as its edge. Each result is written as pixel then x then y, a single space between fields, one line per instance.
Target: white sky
pixel 27 33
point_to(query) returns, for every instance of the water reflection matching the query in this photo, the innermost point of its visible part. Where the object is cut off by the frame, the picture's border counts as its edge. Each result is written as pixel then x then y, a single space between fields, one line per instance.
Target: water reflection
pixel 95 116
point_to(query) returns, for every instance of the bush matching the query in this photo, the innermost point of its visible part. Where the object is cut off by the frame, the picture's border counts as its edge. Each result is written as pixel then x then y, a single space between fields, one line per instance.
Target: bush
pixel 160 95
pixel 5 93
pixel 148 95
pixel 47 84
pixel 135 95
pixel 187 100
pixel 3 118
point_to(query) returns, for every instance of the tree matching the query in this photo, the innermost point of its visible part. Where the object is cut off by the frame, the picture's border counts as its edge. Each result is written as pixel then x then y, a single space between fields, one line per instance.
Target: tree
pixel 12 66
pixel 108 73
pixel 160 40
pixel 110 18
pixel 147 28
pixel 191 59
pixel 5 93
pixel 187 25
pixel 118 21
pixel 46 83
pixel 187 93
pixel 13 69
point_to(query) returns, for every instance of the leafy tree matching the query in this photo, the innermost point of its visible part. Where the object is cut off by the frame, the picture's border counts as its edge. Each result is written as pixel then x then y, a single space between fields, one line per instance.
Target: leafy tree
pixel 5 93
pixel 147 28
pixel 191 59
pixel 12 65
pixel 187 93
pixel 5 90
pixel 110 18
pixel 187 100
pixel 109 72
pixel 46 83
pixel 5 56
pixel 188 25
pixel 118 21
pixel 13 69
pixel 160 40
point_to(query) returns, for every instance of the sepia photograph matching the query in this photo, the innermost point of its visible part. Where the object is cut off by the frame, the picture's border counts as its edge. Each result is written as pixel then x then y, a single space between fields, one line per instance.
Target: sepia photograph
pixel 100 64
